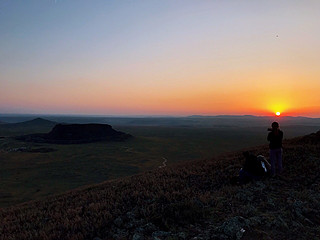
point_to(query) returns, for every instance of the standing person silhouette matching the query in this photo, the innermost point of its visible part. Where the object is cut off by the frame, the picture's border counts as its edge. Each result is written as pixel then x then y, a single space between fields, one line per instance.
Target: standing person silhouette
pixel 275 137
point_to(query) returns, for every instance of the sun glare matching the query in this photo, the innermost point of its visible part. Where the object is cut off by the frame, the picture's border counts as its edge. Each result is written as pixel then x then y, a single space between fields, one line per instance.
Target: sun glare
pixel 278 114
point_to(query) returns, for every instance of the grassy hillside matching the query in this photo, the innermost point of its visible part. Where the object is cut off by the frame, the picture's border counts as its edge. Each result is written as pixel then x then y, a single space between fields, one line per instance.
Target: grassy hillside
pixel 36 174
pixel 184 201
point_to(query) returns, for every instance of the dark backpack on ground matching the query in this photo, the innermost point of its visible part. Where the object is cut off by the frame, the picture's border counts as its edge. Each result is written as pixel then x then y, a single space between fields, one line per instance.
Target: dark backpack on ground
pixel 253 165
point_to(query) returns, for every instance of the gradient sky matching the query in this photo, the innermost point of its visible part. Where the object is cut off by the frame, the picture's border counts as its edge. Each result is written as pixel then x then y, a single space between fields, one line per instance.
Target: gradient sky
pixel 160 57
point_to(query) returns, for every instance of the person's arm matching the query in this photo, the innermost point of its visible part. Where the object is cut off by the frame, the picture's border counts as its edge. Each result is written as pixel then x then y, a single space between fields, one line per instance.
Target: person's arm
pixel 267 164
pixel 269 136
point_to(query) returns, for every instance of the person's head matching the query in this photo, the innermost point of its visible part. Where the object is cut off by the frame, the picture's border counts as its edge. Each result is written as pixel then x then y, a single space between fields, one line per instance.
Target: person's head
pixel 246 154
pixel 275 126
pixel 261 158
pixel 249 156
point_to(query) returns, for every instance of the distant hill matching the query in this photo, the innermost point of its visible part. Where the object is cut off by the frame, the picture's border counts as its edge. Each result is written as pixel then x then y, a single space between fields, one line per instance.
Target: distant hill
pixel 188 121
pixel 37 122
pixel 212 121
pixel 76 133
pixel 31 126
pixel 250 120
pixel 192 200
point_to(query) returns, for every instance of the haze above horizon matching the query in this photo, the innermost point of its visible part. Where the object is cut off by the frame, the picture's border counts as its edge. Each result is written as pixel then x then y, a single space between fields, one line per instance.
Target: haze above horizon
pixel 160 57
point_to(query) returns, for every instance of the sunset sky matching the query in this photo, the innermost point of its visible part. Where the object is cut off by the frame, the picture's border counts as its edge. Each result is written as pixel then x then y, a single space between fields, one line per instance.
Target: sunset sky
pixel 160 57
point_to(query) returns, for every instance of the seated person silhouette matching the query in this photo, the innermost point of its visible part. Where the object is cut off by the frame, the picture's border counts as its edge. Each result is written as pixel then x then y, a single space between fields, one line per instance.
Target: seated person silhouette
pixel 254 168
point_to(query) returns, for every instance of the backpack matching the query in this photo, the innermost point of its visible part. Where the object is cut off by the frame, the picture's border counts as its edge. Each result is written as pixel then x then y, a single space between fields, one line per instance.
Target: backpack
pixel 254 165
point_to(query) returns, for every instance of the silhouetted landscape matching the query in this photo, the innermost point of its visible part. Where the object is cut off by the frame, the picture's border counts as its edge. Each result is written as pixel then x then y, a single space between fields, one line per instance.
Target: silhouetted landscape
pixel 185 200
pixel 33 170
pixel 159 120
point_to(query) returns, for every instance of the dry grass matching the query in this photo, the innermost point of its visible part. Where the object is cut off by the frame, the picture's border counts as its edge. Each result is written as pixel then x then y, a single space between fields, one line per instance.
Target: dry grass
pixel 194 198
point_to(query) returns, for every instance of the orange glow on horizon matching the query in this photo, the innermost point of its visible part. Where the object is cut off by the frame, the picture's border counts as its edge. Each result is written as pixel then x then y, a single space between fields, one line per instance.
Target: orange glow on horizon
pixel 186 97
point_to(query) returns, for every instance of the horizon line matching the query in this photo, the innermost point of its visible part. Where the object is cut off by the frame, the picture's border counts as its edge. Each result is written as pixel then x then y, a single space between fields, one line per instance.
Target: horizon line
pixel 146 115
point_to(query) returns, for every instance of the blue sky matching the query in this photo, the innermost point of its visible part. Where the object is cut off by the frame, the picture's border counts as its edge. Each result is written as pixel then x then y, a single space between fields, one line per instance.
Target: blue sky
pixel 159 57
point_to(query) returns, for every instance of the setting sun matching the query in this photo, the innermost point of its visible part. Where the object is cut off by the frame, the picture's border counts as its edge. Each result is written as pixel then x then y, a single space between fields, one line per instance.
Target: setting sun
pixel 278 113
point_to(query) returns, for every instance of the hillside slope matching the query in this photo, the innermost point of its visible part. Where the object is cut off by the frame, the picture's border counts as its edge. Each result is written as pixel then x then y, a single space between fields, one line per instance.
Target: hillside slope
pixel 193 199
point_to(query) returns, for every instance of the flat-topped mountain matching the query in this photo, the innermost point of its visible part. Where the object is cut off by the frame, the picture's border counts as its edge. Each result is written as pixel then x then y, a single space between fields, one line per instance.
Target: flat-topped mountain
pixel 190 200
pixel 77 133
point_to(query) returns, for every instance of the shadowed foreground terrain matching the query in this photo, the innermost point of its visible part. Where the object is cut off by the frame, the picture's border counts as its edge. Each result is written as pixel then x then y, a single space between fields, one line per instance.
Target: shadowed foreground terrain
pixel 183 201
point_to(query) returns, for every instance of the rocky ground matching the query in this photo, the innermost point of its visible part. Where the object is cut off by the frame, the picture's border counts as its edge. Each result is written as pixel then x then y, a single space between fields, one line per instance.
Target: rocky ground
pixel 194 200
